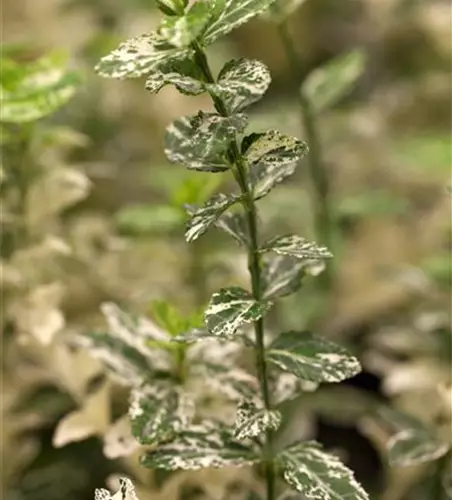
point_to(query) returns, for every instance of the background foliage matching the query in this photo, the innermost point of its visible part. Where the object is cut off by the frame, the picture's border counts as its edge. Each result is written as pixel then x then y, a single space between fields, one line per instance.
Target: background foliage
pixel 91 214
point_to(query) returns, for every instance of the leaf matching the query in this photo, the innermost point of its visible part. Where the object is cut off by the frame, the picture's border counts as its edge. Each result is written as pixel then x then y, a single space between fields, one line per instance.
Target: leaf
pixel 412 446
pixel 230 14
pixel 169 318
pixel 312 358
pixel 173 73
pixel 281 276
pixel 158 413
pixel 126 492
pixel 317 474
pixel 272 158
pixel 201 142
pixel 139 56
pixel 328 84
pixel 203 446
pixel 297 247
pixel 181 31
pixel 32 91
pixel 207 215
pixel 241 83
pixel 231 308
pixel 283 9
pixel 234 225
pixel 251 421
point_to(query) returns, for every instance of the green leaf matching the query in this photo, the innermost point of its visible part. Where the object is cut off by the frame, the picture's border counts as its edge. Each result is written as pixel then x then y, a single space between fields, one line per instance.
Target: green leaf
pixel 201 142
pixel 296 246
pixel 196 189
pixel 272 158
pixel 317 474
pixel 234 225
pixel 241 83
pixel 183 74
pixel 251 421
pixel 202 218
pixel 145 219
pixel 139 56
pixel 32 91
pixel 158 412
pixel 283 9
pixel 181 31
pixel 281 276
pixel 203 446
pixel 230 308
pixel 413 446
pixel 230 14
pixel 170 319
pixel 312 358
pixel 328 84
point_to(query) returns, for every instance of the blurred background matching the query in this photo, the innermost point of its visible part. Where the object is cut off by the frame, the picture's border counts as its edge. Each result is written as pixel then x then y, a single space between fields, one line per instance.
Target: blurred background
pixel 91 213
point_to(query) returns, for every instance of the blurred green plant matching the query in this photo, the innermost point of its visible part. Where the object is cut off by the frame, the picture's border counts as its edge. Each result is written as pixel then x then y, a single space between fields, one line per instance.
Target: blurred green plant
pixel 163 414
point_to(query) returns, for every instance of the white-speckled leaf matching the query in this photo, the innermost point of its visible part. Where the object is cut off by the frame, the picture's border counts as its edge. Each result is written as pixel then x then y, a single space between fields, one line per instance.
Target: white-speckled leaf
pixel 241 83
pixel 234 224
pixel 230 308
pixel 251 421
pixel 281 276
pixel 203 446
pixel 326 85
pixel 181 31
pixel 286 387
pixel 230 14
pixel 296 246
pixel 126 492
pixel 139 56
pixel 183 74
pixel 158 412
pixel 34 90
pixel 412 446
pixel 207 215
pixel 312 358
pixel 201 142
pixel 319 475
pixel 272 157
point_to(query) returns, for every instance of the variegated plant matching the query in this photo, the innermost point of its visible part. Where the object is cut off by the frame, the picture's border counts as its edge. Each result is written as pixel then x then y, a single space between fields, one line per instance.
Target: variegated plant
pixel 163 414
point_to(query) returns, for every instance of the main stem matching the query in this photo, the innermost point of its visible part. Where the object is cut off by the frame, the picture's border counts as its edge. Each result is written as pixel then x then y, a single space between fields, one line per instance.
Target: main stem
pixel 254 267
pixel 317 170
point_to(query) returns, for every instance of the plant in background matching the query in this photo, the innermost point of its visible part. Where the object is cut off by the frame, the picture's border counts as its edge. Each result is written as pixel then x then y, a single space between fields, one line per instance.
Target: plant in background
pixel 318 91
pixel 212 142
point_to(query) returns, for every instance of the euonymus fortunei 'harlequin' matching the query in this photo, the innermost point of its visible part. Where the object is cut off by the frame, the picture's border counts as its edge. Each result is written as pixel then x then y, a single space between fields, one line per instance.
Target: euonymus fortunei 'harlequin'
pixel 162 413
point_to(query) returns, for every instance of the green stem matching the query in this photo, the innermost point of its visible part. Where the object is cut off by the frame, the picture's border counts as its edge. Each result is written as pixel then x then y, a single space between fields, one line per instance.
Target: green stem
pixel 254 267
pixel 317 170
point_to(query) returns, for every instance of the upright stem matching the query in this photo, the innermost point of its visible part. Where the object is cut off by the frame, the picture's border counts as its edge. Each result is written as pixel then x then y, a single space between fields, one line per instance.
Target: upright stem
pixel 317 170
pixel 254 267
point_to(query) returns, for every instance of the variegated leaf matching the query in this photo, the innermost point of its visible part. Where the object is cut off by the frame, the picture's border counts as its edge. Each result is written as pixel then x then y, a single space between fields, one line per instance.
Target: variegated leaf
pixel 312 358
pixel 230 14
pixel 124 363
pixel 183 74
pixel 201 142
pixel 207 215
pixel 251 421
pixel 203 446
pixel 281 276
pixel 193 336
pixel 158 412
pixel 139 56
pixel 234 224
pixel 230 308
pixel 326 85
pixel 241 83
pixel 317 474
pixel 181 31
pixel 272 158
pixel 296 246
pixel 286 387
pixel 415 446
pixel 126 492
